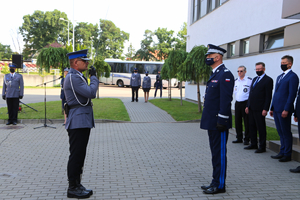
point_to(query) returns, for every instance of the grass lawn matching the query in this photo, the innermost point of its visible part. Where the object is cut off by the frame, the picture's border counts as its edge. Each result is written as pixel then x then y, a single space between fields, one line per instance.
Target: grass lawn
pixel 189 111
pixel 104 108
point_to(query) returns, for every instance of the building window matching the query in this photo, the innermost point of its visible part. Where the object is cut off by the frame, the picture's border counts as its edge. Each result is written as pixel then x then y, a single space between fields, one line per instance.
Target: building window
pixel 274 40
pixel 231 50
pixel 245 44
pixel 196 10
pixel 209 6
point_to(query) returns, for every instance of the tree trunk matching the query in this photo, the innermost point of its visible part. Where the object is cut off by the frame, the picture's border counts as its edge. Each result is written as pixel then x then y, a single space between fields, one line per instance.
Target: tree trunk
pixel 180 92
pixel 199 100
pixel 169 89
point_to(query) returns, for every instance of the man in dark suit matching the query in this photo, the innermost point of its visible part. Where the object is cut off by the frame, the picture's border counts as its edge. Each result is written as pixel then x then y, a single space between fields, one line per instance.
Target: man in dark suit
pixel 80 119
pixel 12 91
pixel 258 106
pixel 216 116
pixel 158 84
pixel 282 107
pixel 296 115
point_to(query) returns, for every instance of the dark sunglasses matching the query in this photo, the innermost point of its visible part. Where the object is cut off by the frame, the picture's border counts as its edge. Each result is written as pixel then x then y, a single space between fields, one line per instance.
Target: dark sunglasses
pixel 240 71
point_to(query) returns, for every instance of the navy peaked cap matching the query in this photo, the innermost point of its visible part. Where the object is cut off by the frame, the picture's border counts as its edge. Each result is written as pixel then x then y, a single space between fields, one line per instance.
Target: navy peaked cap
pixel 146 72
pixel 12 65
pixel 215 49
pixel 79 54
pixel 135 69
pixel 66 69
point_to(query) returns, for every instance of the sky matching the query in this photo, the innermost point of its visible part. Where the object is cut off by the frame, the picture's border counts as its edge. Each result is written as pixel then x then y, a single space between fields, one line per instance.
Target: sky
pixel 131 16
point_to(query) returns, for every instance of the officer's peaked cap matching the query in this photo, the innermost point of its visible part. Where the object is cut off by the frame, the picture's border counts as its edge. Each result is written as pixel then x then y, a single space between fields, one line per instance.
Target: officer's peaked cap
pixel 146 72
pixel 215 49
pixel 66 69
pixel 82 54
pixel 12 65
pixel 135 69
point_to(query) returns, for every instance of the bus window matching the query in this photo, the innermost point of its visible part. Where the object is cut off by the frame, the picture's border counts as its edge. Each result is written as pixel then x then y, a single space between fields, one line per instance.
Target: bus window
pixel 121 67
pixel 111 67
pixel 152 69
pixel 140 68
pixel 131 67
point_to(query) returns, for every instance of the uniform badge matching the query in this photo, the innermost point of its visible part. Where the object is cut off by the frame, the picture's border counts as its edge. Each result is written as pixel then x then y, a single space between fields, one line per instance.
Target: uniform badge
pixel 214 81
pixel 227 80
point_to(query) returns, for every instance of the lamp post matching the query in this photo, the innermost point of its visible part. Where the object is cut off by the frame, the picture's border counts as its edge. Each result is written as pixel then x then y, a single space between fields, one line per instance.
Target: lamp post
pixel 68 28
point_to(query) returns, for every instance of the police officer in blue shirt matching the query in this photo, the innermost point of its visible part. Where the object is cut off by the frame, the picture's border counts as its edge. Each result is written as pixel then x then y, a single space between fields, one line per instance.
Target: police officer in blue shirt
pixel 12 91
pixel 216 116
pixel 80 118
pixel 135 83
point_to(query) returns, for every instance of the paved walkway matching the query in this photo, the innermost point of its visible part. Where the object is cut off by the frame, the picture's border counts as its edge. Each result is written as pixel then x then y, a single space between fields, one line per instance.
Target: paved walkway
pixel 158 160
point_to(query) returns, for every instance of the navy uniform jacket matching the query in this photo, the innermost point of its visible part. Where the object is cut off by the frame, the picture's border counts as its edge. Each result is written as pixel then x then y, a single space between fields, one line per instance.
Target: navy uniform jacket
pixel 62 94
pixel 13 87
pixel 135 80
pixel 285 93
pixel 217 100
pixel 81 117
pixel 158 80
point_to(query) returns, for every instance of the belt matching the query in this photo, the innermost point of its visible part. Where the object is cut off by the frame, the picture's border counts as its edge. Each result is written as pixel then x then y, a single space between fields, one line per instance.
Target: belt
pixel 77 106
pixel 241 101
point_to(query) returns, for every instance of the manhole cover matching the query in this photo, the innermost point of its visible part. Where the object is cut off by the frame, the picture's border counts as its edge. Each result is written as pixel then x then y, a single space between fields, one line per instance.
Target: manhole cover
pixel 11 127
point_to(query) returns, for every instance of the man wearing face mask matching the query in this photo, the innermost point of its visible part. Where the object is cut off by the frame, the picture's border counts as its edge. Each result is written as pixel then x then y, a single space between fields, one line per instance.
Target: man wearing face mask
pixel 13 90
pixel 135 83
pixel 282 107
pixel 258 106
pixel 216 116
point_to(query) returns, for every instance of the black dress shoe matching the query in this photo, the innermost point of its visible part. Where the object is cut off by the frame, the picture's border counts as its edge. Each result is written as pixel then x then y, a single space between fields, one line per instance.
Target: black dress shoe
pixel 285 159
pixel 251 147
pixel 214 190
pixel 246 142
pixel 74 191
pixel 278 156
pixel 237 141
pixel 297 170
pixel 8 123
pixel 14 123
pixel 260 150
pixel 204 187
pixel 87 190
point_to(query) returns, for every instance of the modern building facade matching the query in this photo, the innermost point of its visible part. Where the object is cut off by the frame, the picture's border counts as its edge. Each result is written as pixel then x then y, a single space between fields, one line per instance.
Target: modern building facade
pixel 250 30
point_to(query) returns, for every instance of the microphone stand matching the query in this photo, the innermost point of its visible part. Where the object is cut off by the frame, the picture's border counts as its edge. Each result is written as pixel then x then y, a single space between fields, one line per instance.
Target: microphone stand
pixel 45 124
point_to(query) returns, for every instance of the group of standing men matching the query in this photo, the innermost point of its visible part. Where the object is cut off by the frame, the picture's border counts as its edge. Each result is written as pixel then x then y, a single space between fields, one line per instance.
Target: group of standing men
pixel 253 101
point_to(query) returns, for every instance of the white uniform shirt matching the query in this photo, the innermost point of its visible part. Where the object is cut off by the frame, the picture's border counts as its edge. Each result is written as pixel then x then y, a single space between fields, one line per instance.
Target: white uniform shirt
pixel 242 88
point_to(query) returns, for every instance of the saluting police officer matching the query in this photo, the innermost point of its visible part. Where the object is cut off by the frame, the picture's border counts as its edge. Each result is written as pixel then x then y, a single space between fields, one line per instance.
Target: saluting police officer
pixel 241 90
pixel 80 118
pixel 13 90
pixel 216 116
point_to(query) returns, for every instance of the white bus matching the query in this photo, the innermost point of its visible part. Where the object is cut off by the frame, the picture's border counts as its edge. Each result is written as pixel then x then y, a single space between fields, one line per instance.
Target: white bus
pixel 121 72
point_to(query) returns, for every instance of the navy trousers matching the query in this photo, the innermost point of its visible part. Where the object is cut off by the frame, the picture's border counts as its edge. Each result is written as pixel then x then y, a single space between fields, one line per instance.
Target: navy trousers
pixel 283 126
pixel 158 86
pixel 78 139
pixel 13 109
pixel 217 142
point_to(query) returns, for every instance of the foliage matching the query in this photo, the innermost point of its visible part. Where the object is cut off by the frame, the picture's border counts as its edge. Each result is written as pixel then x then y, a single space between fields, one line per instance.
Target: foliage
pixel 102 67
pixel 5 52
pixel 165 41
pixel 5 69
pixel 194 67
pixel 110 44
pixel 104 108
pixel 180 41
pixel 84 34
pixel 146 51
pixel 131 52
pixel 53 57
pixel 40 29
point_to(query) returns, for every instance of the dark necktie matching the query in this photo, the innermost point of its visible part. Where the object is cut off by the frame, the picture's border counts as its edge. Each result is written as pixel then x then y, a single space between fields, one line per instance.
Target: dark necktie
pixel 256 81
pixel 280 77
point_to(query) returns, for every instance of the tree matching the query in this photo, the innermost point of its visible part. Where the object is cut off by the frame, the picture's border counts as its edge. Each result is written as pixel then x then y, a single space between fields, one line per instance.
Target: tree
pixel 5 52
pixel 53 57
pixel 110 44
pixel 180 41
pixel 146 51
pixel 170 68
pixel 194 68
pixel 165 40
pixel 131 52
pixel 84 34
pixel 40 29
pixel 102 68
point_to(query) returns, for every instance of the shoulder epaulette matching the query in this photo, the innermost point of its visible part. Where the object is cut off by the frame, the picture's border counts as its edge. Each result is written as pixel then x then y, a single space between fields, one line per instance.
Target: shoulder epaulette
pixel 249 78
pixel 236 79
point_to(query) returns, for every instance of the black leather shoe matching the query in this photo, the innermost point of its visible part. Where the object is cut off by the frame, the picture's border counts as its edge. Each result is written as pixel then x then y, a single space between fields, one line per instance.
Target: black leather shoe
pixel 285 159
pixel 237 141
pixel 204 187
pixel 76 192
pixel 297 170
pixel 251 147
pixel 246 142
pixel 14 123
pixel 260 150
pixel 8 123
pixel 278 156
pixel 87 190
pixel 214 190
